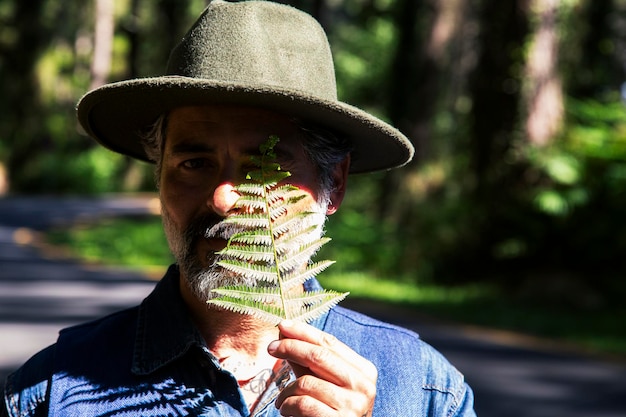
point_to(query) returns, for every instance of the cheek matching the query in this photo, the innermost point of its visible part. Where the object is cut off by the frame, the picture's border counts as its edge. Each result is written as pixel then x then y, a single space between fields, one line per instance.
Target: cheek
pixel 306 181
pixel 181 200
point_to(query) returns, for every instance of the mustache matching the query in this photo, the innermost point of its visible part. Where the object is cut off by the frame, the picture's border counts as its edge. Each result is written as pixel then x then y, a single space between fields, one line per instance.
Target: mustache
pixel 201 226
pixel 210 226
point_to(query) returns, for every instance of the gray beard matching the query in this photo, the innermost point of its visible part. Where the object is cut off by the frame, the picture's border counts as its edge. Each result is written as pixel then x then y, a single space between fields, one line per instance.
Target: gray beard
pixel 202 279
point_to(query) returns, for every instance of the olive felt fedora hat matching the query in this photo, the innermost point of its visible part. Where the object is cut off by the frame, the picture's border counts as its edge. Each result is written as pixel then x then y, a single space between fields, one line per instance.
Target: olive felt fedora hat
pixel 253 53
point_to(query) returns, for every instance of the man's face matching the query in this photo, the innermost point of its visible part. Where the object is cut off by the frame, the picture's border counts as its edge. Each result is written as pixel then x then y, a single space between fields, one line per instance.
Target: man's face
pixel 207 152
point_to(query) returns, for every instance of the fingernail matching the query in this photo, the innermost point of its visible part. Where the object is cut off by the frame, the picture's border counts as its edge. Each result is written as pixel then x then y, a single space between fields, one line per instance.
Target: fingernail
pixel 286 323
pixel 273 347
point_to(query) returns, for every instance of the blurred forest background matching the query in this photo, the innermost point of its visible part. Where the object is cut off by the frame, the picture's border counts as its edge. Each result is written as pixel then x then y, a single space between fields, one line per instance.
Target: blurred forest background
pixel 516 109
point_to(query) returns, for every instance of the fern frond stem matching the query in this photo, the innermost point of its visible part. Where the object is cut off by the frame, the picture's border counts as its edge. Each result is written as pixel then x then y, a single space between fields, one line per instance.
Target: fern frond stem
pixel 271 229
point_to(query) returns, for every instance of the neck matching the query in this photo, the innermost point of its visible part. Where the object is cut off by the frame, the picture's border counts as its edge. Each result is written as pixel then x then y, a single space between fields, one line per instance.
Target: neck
pixel 226 333
pixel 239 342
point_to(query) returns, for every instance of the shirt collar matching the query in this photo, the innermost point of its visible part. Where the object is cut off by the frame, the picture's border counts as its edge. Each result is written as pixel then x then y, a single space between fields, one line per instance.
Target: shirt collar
pixel 165 330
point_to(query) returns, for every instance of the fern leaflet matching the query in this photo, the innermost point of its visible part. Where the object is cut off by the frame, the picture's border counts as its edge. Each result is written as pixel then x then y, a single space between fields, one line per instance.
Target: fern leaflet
pixel 273 246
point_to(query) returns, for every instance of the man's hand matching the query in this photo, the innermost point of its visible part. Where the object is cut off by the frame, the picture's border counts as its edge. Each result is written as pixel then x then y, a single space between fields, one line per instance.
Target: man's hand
pixel 332 379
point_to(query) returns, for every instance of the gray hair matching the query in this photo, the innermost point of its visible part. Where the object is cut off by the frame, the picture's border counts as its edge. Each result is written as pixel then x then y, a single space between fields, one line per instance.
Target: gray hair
pixel 153 140
pixel 324 149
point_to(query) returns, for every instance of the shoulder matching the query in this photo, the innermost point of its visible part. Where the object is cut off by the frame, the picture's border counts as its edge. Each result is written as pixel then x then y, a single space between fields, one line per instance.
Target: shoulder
pixel 82 350
pixel 406 365
pixel 121 324
pixel 27 388
pixel 81 336
pixel 357 329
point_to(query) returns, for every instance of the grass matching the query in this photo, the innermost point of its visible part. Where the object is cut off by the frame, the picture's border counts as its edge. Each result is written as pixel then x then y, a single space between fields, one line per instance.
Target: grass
pixel 140 244
pixel 137 243
pixel 599 331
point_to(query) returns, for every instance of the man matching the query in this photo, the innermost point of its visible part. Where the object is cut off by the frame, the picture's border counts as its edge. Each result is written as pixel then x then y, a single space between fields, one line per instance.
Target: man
pixel 245 71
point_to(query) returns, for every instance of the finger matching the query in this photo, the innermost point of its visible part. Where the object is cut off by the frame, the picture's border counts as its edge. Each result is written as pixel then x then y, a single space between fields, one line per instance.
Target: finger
pixel 305 406
pixel 307 333
pixel 306 358
pixel 322 362
pixel 324 392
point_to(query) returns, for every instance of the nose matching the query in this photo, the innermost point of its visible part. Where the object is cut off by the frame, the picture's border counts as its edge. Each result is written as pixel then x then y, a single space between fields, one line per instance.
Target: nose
pixel 224 198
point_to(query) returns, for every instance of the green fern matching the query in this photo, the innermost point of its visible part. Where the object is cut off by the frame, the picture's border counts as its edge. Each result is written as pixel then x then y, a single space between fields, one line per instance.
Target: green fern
pixel 268 217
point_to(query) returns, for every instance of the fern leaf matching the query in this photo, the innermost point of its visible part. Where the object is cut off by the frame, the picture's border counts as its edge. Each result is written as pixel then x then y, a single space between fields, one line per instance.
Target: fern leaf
pixel 258 272
pixel 282 192
pixel 253 237
pixel 260 310
pixel 310 298
pixel 273 245
pixel 288 222
pixel 250 188
pixel 276 212
pixel 252 253
pixel 307 311
pixel 291 236
pixel 265 295
pixel 303 254
pixel 253 202
pixel 248 220
pixel 300 277
pixel 268 180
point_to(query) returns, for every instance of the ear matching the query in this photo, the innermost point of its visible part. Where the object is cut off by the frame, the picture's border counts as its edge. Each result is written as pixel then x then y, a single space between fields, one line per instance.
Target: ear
pixel 340 179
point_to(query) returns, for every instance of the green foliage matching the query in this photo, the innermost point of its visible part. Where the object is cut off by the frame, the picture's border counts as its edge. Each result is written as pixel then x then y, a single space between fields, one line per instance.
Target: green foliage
pixel 587 164
pixel 45 69
pixel 361 240
pixel 270 222
pixel 130 242
pixel 92 171
pixel 363 54
pixel 597 129
pixel 560 209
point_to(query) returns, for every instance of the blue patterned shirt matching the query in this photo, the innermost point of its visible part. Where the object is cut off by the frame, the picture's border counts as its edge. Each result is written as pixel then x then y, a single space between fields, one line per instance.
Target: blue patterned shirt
pixel 150 360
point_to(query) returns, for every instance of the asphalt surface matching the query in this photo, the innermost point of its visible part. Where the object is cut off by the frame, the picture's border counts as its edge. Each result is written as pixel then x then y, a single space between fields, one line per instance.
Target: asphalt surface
pixel 42 292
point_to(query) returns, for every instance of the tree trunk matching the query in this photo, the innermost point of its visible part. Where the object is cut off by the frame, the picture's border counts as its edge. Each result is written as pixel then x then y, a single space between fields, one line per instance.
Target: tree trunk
pixel 426 59
pixel 596 51
pixel 495 91
pixel 544 92
pixel 173 26
pixel 422 60
pixel 413 71
pixel 132 34
pixel 102 43
pixel 20 99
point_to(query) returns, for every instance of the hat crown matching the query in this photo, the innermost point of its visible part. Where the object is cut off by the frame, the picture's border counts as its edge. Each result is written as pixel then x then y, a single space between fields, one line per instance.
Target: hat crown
pixel 258 44
pixel 248 53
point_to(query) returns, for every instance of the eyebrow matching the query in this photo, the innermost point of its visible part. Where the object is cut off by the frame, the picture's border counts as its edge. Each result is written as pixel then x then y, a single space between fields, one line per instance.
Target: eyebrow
pixel 192 147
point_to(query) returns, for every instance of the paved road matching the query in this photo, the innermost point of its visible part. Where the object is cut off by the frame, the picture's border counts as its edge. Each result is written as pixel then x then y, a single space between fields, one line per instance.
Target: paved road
pixel 40 294
pixel 512 376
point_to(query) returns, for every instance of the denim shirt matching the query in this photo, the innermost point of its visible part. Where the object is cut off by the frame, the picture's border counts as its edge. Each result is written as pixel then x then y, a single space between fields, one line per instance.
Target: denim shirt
pixel 150 360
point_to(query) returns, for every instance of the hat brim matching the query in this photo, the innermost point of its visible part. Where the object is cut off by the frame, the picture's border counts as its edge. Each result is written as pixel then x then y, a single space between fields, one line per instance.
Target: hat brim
pixel 117 113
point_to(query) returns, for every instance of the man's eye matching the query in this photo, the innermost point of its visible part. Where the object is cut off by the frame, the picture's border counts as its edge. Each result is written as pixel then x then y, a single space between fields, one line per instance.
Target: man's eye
pixel 197 163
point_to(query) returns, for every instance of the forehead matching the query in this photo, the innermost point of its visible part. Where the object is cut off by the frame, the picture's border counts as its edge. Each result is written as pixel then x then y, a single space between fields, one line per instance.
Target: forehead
pixel 225 124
